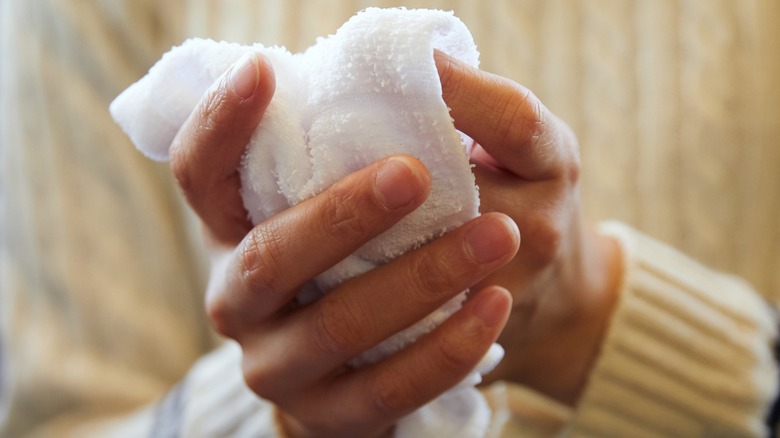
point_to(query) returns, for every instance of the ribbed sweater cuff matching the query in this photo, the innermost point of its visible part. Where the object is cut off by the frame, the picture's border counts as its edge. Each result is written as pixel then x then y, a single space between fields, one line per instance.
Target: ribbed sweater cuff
pixel 688 351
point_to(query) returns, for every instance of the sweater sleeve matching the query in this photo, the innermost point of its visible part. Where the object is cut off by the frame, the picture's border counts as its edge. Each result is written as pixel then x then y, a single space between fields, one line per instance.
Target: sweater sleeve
pixel 688 352
pixel 211 401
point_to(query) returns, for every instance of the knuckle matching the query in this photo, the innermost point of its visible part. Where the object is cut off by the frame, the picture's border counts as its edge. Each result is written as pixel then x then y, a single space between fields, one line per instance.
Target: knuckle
pixel 570 152
pixel 574 167
pixel 219 315
pixel 181 168
pixel 216 302
pixel 389 395
pixel 548 238
pixel 573 170
pixel 523 117
pixel 259 377
pixel 456 355
pixel 336 329
pixel 210 111
pixel 436 273
pixel 260 269
pixel 342 220
pixel 450 80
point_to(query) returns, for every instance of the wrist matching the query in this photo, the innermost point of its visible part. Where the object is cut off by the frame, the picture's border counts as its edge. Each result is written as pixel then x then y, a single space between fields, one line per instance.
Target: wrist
pixel 555 333
pixel 592 291
pixel 602 274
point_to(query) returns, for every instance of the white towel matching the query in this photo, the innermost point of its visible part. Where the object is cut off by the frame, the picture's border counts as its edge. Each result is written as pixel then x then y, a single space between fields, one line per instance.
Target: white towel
pixel 368 91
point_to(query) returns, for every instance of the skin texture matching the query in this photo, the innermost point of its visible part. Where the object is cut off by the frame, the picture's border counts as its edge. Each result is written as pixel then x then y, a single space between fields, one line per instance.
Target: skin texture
pixel 562 280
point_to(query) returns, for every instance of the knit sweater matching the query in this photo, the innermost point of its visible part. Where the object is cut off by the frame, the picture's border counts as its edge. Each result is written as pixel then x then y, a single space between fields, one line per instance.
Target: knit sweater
pixel 680 125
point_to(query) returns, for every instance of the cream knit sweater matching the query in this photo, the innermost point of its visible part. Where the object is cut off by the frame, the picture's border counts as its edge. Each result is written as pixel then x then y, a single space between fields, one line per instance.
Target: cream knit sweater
pixel 677 106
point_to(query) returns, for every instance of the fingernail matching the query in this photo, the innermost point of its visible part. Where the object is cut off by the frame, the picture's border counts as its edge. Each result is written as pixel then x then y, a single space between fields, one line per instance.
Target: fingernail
pixel 485 307
pixel 244 77
pixel 397 184
pixel 491 239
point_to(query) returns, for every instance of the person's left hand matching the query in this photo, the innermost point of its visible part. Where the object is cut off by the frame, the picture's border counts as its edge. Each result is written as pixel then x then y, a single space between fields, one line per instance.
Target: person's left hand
pixel 564 278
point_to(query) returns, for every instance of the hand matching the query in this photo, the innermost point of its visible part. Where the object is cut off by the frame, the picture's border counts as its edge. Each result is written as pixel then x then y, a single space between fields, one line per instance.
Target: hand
pixel 296 355
pixel 564 279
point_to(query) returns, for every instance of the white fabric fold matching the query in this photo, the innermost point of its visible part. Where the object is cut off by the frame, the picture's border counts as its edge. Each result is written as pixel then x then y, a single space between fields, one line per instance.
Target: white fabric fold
pixel 368 91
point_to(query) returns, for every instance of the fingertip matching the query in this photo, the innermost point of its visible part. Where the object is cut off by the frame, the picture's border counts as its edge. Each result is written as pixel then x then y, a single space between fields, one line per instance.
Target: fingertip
pixel 267 82
pixel 401 180
pixel 252 78
pixel 511 228
pixel 441 59
pixel 420 170
pixel 493 237
pixel 449 69
pixel 492 306
pixel 244 76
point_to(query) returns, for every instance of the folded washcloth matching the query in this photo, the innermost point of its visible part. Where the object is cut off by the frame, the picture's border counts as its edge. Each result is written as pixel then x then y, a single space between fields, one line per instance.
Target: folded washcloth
pixel 368 91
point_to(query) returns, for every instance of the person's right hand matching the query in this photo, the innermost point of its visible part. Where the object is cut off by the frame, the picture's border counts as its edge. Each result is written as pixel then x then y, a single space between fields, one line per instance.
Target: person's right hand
pixel 296 356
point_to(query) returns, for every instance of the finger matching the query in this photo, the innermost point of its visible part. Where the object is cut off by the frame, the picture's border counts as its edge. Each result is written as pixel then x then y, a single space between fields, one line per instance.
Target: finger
pixel 388 390
pixel 289 249
pixel 206 153
pixel 512 124
pixel 368 309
